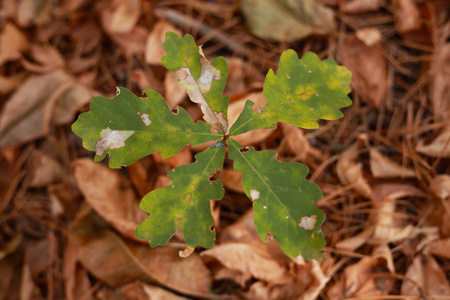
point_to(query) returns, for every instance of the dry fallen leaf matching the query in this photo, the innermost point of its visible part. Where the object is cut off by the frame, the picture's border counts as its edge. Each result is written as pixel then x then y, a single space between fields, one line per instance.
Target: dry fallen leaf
pixel 295 142
pixel 37 12
pixel 440 146
pixel 242 256
pixel 287 21
pixel 142 291
pixel 245 263
pixel 407 15
pixel 46 59
pixel 359 6
pixel 47 170
pixel 440 85
pixel 12 43
pixel 27 114
pixel 108 258
pixel 175 92
pixel 381 166
pixel 103 190
pixel 367 65
pixel 428 275
pixel 125 16
pixel 359 280
pixel 350 172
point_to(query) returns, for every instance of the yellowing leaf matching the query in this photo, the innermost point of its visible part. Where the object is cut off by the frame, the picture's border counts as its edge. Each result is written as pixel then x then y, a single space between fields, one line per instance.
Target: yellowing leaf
pixel 184 204
pixel 303 91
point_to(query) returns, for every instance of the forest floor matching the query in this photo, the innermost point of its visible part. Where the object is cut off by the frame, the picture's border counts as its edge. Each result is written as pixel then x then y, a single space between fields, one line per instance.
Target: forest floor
pixel 66 223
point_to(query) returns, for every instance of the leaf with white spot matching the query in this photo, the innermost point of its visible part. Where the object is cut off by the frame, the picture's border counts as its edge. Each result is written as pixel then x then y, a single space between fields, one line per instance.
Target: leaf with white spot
pixel 204 81
pixel 283 201
pixel 303 91
pixel 184 204
pixel 129 128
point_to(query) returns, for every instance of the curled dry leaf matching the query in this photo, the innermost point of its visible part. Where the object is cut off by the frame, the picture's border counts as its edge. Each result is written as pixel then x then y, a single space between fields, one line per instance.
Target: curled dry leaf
pixel 367 66
pixel 140 290
pixel 125 16
pixel 287 20
pixel 359 6
pixel 295 142
pixel 28 112
pixel 245 263
pixel 440 85
pixel 358 280
pixel 381 166
pixel 108 258
pixel 385 226
pixel 102 189
pixel 407 15
pixel 439 147
pixel 439 248
pixel 46 59
pixel 440 188
pixel 37 12
pixel 12 43
pixel 47 170
pixel 428 275
pixel 350 172
pixel 243 255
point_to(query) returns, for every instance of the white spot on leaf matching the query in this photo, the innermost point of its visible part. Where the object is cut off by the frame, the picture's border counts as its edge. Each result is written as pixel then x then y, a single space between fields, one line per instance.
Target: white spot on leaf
pixel 146 119
pixel 254 195
pixel 265 207
pixel 308 223
pixel 111 139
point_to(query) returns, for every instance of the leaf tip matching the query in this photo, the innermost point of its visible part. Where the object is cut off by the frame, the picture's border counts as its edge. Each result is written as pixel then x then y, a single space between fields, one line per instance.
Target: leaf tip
pixel 186 252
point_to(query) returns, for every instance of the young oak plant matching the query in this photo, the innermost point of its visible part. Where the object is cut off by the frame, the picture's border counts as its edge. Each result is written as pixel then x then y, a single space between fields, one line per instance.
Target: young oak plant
pixel 129 128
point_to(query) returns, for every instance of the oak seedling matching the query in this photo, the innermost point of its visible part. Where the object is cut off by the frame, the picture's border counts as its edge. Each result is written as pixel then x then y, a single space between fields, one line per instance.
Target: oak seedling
pixel 129 127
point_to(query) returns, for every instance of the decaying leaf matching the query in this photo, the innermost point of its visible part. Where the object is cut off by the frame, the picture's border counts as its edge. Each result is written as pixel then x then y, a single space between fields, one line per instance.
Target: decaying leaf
pixel 440 146
pixel 102 189
pixel 204 81
pixel 12 43
pixel 427 275
pixel 350 172
pixel 381 166
pixel 287 20
pixel 95 245
pixel 303 91
pixel 367 64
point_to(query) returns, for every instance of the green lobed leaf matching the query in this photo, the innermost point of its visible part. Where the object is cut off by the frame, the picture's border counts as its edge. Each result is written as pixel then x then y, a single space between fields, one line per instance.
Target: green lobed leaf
pixel 204 82
pixel 303 91
pixel 282 200
pixel 129 128
pixel 184 204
